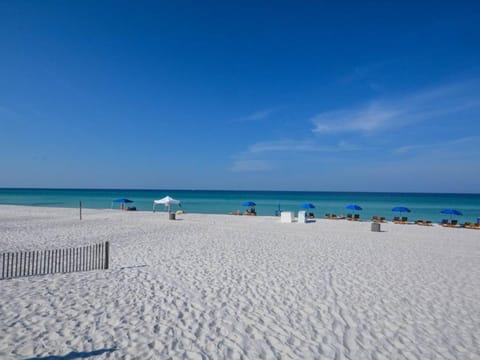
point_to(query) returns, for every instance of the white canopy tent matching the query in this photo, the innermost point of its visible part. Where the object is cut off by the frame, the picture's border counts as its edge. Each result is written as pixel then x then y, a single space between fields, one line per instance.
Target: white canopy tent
pixel 167 201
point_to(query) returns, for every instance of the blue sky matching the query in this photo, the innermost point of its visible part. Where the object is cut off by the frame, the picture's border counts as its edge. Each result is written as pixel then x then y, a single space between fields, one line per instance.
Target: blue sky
pixel 300 95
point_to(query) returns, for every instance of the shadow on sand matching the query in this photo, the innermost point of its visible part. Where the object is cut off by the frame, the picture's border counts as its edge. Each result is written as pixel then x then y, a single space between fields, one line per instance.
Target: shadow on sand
pixel 74 355
pixel 133 267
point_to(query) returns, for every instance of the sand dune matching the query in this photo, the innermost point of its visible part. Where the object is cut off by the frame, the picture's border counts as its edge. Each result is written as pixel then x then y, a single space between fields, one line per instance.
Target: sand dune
pixel 232 287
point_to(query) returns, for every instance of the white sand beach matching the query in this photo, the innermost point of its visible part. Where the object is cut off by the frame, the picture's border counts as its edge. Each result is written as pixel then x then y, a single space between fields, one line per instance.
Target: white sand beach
pixel 233 287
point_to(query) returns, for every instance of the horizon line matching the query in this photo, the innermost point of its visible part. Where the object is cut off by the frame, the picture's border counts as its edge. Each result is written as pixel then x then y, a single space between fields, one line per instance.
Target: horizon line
pixel 237 190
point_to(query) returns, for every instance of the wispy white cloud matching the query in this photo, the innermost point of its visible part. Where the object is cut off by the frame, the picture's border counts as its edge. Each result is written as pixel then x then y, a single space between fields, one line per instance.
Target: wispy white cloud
pixel 370 118
pixel 257 116
pixel 251 166
pixel 383 114
pixel 281 145
pixel 410 148
pixel 245 163
pixel 373 117
pixel 299 146
pixel 467 139
pixel 444 144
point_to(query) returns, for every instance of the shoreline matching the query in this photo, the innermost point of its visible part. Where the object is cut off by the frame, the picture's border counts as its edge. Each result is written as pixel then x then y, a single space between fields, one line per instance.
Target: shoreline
pixel 164 211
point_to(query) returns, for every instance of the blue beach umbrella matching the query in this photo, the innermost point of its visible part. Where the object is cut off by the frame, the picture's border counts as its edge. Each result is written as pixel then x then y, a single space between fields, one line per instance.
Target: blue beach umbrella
pixel 252 205
pixel 401 209
pixel 353 207
pixel 123 201
pixel 308 206
pixel 451 212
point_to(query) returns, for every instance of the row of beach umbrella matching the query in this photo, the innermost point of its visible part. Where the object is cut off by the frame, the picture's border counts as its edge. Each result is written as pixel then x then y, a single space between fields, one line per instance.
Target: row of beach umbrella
pixel 445 211
pixel 355 207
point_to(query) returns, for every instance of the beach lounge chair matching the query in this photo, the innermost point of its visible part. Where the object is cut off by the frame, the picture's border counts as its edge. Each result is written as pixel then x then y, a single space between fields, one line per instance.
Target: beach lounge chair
pixel 356 217
pixel 250 212
pixel 444 222
pixel 349 217
pixel 423 222
pixel 453 223
pixel 396 220
pixel 334 217
pixel 375 218
pixel 404 220
pixel 382 219
pixel 327 216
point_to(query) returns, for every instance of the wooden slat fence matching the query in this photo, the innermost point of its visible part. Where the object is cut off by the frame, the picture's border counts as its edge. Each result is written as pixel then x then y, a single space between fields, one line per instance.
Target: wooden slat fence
pixel 41 262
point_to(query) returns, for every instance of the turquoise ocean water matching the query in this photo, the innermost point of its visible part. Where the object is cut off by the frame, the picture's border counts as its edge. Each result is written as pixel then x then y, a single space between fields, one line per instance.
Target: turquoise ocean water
pixel 423 206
